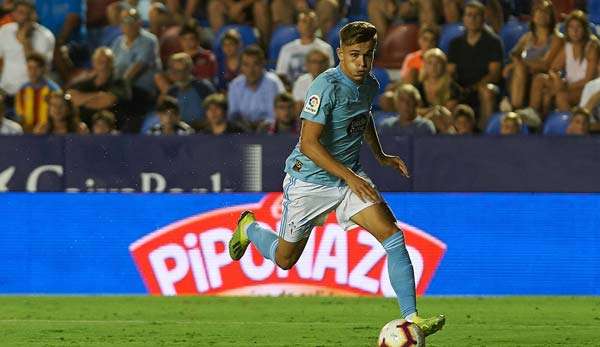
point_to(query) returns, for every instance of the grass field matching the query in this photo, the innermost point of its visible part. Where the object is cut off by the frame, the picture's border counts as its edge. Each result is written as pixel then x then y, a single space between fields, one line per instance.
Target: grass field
pixel 287 321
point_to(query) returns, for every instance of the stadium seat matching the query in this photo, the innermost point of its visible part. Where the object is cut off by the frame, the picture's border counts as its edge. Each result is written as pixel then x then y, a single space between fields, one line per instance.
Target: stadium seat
pixel 382 76
pixel 493 126
pixel 593 9
pixel 556 123
pixel 510 34
pixel 282 35
pixel 333 37
pixel 399 41
pixel 449 32
pixel 358 10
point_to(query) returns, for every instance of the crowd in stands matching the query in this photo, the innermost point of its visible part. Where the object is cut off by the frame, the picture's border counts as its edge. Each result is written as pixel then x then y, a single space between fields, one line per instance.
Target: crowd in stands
pixel 182 67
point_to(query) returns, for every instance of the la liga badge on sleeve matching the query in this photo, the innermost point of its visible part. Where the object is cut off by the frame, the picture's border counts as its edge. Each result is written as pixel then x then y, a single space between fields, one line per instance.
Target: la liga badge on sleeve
pixel 312 104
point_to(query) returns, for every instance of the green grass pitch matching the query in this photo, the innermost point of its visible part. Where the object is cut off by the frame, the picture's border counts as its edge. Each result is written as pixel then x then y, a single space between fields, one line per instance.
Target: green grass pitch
pixel 290 321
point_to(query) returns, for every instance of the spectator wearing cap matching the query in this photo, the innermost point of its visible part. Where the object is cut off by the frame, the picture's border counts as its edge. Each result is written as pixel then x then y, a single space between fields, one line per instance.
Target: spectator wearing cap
pixel 170 122
pixel 475 60
pixel 216 122
pixel 293 54
pixel 407 122
pixel 19 39
pixel 251 95
pixel 7 126
pixel 31 106
pixel 316 62
pixel 136 54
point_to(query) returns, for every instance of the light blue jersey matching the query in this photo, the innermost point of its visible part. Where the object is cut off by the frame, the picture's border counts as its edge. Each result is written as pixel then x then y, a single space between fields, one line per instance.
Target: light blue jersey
pixel 343 107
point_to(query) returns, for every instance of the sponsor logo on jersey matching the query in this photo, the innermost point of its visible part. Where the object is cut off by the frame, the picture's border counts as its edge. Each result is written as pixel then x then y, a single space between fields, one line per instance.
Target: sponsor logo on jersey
pixel 357 125
pixel 191 257
pixel 312 104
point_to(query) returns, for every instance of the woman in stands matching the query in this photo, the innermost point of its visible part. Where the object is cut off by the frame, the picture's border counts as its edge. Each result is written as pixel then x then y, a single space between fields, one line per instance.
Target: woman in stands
pixel 63 117
pixel 574 66
pixel 436 85
pixel 534 52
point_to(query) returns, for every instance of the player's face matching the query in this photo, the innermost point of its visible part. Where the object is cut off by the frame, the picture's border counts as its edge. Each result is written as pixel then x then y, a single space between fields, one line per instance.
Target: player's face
pixel 357 60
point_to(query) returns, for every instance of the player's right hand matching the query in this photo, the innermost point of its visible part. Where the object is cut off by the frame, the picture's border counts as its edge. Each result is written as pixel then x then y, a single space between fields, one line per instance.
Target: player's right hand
pixel 362 188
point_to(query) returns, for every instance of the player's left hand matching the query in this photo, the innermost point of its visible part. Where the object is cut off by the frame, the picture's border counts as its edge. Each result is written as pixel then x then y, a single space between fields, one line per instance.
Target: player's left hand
pixel 395 163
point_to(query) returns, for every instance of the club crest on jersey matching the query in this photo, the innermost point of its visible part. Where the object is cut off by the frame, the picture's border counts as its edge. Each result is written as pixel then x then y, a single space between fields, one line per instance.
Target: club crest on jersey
pixel 312 104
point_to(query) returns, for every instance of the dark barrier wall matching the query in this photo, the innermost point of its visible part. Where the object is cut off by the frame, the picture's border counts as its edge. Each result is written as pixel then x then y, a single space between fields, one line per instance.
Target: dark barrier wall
pixel 255 163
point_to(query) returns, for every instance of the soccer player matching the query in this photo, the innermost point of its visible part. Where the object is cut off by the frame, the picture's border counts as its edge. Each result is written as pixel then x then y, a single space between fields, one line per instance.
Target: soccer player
pixel 324 173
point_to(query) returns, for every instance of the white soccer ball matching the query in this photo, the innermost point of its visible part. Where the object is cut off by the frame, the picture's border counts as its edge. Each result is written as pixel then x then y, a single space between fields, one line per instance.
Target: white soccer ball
pixel 400 333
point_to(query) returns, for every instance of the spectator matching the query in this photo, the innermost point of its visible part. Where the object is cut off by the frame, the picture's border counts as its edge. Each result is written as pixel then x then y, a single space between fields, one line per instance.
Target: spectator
pixel 475 59
pixel 136 55
pixel 429 12
pixel 111 32
pixel 6 8
pixel 316 62
pixel 579 60
pixel 293 54
pixel 159 19
pixel 102 90
pixel 204 64
pixel 229 68
pixel 189 91
pixel 407 121
pixel 63 117
pixel 170 122
pixel 251 94
pixel 590 100
pixel 579 123
pixel 452 11
pixel 30 101
pixel 7 126
pixel 19 39
pixel 464 119
pixel 253 12
pixel 534 52
pixel 286 121
pixel 413 62
pixel 104 123
pixel 510 124
pixel 442 120
pixel 216 123
pixel 437 86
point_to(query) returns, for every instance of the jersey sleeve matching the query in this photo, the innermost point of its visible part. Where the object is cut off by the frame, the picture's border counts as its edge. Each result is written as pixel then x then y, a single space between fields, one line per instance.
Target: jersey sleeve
pixel 319 101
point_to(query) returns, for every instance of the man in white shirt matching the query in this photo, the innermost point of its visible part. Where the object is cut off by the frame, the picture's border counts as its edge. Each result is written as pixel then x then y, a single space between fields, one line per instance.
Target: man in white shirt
pixel 18 39
pixel 317 61
pixel 292 55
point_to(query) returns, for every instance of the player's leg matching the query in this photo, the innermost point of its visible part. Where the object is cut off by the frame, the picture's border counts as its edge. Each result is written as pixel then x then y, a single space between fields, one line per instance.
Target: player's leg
pixel 381 223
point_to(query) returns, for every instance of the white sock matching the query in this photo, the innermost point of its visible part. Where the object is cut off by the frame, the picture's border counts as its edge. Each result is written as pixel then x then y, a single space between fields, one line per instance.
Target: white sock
pixel 410 317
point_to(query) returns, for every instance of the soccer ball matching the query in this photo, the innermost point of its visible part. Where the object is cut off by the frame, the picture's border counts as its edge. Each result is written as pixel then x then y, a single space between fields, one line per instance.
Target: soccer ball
pixel 400 333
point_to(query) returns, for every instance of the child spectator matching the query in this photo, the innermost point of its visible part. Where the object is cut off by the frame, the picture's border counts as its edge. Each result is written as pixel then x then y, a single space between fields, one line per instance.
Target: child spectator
pixel 216 123
pixel 464 119
pixel 170 122
pixel 104 123
pixel 63 117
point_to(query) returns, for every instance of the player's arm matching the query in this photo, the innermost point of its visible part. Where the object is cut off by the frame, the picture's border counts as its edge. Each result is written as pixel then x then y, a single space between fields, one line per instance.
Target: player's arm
pixel 372 140
pixel 314 150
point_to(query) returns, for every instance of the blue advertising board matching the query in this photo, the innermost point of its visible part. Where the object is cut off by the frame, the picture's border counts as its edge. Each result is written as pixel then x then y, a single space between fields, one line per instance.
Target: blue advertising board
pixel 490 243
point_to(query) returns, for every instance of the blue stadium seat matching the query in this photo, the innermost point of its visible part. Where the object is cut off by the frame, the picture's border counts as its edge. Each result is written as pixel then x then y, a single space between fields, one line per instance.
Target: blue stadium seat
pixel 333 37
pixel 510 34
pixel 449 32
pixel 593 10
pixel 493 126
pixel 382 76
pixel 282 35
pixel 556 123
pixel 358 10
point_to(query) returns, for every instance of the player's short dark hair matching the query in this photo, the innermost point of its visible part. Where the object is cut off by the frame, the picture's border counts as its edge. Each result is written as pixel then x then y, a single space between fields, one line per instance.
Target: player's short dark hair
pixel 463 110
pixel 106 117
pixel 283 97
pixel 190 27
pixel 37 58
pixel 168 103
pixel 357 32
pixel 218 99
pixel 254 51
